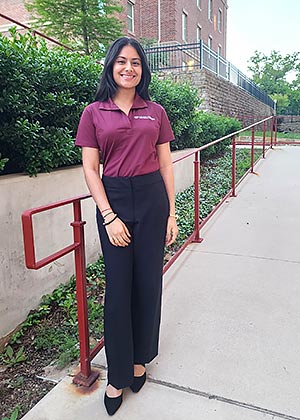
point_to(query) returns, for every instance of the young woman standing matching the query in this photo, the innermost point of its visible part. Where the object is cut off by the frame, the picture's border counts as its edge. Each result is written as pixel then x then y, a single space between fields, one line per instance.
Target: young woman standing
pixel 135 210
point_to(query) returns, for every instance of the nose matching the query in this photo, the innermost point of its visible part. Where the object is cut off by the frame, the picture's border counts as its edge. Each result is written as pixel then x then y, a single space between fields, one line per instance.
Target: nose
pixel 128 66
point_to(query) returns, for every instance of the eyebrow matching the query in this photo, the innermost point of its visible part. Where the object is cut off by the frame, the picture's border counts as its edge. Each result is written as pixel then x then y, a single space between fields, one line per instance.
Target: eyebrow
pixel 125 58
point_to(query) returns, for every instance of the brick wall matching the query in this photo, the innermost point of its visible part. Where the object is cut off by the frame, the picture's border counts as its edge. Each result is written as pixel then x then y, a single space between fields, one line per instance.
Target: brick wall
pixel 199 17
pixel 147 21
pixel 221 96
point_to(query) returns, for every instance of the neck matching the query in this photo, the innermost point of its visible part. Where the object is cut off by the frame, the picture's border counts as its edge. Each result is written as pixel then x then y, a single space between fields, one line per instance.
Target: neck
pixel 124 96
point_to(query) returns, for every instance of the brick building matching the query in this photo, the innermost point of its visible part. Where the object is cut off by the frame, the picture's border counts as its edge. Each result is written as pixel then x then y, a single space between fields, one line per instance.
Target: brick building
pixel 181 21
pixel 163 21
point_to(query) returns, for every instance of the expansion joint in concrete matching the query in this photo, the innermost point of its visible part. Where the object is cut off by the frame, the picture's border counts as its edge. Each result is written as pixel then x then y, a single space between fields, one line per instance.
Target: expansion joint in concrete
pixel 222 399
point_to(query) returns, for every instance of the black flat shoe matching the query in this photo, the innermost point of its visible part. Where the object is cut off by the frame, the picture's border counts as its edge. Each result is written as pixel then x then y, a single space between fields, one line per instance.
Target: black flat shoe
pixel 138 382
pixel 112 404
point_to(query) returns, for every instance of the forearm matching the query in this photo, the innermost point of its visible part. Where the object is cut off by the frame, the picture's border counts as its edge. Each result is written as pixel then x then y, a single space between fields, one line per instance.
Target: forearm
pixel 96 188
pixel 168 177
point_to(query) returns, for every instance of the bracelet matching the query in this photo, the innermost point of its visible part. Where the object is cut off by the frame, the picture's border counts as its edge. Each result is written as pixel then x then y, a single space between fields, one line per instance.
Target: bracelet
pixel 102 211
pixel 112 220
pixel 107 214
pixel 173 215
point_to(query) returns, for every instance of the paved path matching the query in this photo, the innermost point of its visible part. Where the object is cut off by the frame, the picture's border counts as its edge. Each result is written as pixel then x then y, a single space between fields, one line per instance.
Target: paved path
pixel 230 336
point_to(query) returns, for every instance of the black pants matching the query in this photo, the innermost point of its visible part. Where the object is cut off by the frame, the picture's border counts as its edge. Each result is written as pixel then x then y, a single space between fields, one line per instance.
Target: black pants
pixel 132 308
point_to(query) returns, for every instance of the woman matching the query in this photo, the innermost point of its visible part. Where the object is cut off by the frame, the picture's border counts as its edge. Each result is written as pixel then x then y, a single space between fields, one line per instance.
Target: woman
pixel 135 210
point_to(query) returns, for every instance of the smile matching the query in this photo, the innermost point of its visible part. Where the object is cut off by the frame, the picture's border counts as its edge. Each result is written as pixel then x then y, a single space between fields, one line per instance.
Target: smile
pixel 127 76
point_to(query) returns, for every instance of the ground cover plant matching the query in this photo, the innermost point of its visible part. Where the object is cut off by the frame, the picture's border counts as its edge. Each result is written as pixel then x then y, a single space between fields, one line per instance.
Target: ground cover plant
pixel 49 334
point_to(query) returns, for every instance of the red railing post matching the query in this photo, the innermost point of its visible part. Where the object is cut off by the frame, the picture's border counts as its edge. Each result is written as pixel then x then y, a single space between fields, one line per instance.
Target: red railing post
pixel 86 376
pixel 233 168
pixel 197 199
pixel 252 149
pixel 264 140
pixel 275 130
pixel 271 129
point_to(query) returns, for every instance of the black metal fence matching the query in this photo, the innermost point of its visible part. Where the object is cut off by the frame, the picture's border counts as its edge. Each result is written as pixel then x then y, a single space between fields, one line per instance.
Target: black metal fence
pixel 187 57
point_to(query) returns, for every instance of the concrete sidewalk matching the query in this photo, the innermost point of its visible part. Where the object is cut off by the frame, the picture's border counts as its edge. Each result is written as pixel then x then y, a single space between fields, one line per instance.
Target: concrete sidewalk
pixel 230 335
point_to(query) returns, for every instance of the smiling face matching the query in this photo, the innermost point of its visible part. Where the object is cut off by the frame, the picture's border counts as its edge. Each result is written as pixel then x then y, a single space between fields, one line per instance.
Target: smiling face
pixel 127 69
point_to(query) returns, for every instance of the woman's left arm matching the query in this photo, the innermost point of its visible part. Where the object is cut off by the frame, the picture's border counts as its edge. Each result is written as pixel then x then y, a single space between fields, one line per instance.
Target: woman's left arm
pixel 166 170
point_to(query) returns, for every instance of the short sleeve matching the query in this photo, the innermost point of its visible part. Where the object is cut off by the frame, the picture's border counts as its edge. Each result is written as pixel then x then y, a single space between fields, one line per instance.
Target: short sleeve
pixel 166 133
pixel 86 132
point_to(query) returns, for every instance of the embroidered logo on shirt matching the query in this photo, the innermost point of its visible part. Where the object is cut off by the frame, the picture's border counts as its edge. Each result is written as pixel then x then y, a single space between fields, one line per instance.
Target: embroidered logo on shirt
pixel 144 117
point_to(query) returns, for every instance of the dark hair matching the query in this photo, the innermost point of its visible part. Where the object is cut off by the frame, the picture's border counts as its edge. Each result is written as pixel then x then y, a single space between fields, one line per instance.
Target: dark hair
pixel 108 87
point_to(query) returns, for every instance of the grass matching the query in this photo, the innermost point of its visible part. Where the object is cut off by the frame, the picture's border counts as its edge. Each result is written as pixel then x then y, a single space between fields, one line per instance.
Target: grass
pixel 55 321
pixel 290 136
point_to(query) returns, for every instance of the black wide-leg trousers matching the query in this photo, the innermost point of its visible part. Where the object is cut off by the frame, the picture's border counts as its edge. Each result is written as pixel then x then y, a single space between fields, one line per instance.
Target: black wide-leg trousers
pixel 132 309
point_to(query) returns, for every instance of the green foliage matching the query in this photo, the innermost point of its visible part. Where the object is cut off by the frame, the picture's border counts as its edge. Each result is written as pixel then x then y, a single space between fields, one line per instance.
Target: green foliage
pixel 41 103
pixel 10 357
pixel 192 128
pixel 88 25
pixel 3 161
pixel 272 74
pixel 14 415
pixel 180 101
pixel 60 308
pixel 206 127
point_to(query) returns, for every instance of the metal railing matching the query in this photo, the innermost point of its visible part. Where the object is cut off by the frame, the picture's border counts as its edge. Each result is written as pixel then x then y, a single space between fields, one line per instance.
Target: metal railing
pixel 86 375
pixel 199 56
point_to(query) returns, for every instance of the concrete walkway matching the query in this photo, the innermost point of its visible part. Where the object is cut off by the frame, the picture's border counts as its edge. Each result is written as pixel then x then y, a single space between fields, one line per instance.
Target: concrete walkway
pixel 230 336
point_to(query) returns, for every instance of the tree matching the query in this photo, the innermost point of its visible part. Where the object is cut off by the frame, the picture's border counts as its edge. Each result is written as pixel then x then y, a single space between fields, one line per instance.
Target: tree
pixel 90 25
pixel 272 74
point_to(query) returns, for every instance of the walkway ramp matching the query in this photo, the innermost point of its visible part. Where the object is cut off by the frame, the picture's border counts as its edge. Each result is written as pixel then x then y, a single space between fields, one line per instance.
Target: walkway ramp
pixel 230 335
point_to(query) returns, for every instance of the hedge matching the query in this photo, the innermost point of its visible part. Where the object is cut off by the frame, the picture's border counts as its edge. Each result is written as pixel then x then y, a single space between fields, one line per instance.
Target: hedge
pixel 45 91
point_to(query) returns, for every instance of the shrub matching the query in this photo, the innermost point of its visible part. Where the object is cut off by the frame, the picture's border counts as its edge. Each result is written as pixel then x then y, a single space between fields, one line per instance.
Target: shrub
pixel 206 127
pixel 180 101
pixel 41 103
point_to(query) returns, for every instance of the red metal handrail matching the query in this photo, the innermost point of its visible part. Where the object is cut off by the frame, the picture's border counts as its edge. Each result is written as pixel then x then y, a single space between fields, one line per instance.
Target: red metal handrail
pixel 35 32
pixel 86 376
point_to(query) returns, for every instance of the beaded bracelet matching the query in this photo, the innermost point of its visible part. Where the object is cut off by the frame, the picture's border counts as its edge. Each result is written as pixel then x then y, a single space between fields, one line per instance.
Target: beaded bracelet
pixel 110 221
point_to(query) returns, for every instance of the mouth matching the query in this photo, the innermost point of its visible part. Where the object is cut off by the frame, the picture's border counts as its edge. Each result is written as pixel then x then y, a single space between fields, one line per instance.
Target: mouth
pixel 127 76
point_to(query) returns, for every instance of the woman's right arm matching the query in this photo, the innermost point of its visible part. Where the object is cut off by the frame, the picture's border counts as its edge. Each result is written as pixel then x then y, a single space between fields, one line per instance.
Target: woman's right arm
pixel 117 231
pixel 91 165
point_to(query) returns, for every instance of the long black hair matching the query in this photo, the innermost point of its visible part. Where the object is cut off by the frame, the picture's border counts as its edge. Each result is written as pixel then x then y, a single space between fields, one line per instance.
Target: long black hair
pixel 108 87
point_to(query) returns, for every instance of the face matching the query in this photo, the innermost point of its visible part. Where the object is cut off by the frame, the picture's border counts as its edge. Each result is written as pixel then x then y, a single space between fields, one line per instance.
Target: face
pixel 127 69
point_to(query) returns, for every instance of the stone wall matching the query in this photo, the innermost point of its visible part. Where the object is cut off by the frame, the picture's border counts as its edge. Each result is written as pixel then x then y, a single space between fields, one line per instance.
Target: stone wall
pixel 221 96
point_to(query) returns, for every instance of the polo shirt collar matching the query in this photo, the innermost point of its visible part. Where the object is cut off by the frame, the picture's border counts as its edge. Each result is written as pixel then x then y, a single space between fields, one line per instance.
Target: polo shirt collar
pixel 109 105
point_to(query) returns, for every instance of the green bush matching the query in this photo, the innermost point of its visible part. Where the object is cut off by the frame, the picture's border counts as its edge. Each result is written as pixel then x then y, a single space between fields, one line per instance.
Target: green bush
pixel 192 128
pixel 180 101
pixel 206 127
pixel 44 93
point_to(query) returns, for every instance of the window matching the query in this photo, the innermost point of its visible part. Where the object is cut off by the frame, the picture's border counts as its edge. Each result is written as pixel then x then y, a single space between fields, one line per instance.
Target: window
pixel 210 5
pixel 199 4
pixel 198 33
pixel 210 42
pixel 184 26
pixel 219 23
pixel 130 16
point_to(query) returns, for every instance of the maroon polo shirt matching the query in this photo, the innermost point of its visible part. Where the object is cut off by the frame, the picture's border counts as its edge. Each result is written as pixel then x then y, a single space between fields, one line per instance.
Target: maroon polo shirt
pixel 127 143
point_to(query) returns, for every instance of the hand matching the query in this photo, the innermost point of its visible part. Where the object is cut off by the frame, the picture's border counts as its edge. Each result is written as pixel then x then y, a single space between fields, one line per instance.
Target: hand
pixel 172 231
pixel 118 233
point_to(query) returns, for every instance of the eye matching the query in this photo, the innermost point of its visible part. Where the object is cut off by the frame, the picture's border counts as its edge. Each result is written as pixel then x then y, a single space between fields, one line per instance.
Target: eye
pixel 136 63
pixel 120 61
